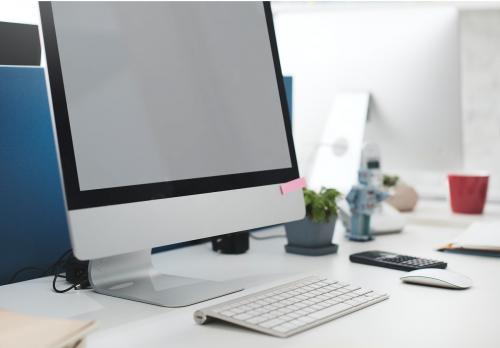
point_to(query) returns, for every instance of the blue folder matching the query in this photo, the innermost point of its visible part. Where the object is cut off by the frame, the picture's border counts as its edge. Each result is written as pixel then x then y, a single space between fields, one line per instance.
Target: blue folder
pixel 33 225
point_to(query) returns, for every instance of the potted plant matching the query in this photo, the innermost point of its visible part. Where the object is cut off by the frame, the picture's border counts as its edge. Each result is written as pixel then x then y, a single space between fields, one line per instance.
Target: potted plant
pixel 313 235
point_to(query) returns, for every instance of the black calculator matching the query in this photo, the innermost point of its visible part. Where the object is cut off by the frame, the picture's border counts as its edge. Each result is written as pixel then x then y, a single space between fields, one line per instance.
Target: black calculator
pixel 395 261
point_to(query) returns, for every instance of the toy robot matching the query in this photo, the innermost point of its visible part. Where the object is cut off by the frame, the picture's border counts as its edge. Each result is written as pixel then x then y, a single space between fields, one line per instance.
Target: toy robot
pixel 363 199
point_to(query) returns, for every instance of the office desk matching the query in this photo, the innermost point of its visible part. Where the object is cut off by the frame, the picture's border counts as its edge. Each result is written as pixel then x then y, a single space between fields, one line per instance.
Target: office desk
pixel 413 316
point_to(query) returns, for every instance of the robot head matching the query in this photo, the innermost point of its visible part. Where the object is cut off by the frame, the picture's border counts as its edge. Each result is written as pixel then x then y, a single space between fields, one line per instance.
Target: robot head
pixel 370 157
pixel 366 176
pixel 370 161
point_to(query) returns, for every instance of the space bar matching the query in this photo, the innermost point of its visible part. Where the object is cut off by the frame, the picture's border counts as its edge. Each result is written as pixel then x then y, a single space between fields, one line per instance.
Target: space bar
pixel 339 307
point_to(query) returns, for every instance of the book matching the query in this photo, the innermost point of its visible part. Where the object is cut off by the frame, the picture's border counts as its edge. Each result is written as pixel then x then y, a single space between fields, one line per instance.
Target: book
pixel 479 237
pixel 26 331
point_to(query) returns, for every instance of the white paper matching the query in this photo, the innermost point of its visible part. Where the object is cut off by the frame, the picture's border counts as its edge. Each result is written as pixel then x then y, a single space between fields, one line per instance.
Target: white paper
pixel 480 235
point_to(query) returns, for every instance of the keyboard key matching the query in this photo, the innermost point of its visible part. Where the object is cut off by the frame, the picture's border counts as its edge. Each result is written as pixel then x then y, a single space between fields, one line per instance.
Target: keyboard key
pixel 332 302
pixel 342 291
pixel 238 310
pixel 306 319
pixel 308 310
pixel 242 316
pixel 293 315
pixel 317 307
pixel 260 310
pixel 285 310
pixel 350 295
pixel 351 302
pixel 283 328
pixel 256 320
pixel 361 291
pixel 335 293
pixel 339 307
pixel 267 316
pixel 271 323
pixel 275 313
pixel 296 322
pixel 374 295
pixel 287 317
pixel 352 287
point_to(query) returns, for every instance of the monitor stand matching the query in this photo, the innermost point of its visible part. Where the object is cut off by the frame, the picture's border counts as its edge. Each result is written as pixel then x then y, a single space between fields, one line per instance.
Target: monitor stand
pixel 132 276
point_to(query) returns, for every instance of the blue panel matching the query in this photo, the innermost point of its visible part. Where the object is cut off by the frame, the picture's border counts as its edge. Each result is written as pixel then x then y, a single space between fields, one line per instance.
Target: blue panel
pixel 288 80
pixel 33 226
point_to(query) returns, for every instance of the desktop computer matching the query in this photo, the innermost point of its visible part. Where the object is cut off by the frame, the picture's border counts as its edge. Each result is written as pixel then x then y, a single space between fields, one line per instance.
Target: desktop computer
pixel 172 125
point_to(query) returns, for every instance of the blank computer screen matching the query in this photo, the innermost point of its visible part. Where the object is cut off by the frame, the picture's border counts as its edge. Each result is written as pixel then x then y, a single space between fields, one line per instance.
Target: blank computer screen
pixel 164 91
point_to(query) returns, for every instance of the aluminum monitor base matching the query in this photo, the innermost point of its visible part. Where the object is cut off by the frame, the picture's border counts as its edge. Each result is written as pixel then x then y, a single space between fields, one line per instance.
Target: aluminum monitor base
pixel 133 277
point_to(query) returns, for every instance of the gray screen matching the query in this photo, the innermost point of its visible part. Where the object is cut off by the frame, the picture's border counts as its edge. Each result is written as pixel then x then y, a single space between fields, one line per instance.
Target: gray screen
pixel 169 91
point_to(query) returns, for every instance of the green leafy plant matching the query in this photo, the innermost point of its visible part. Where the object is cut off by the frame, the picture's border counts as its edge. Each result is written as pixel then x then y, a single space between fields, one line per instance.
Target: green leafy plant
pixel 322 206
pixel 390 180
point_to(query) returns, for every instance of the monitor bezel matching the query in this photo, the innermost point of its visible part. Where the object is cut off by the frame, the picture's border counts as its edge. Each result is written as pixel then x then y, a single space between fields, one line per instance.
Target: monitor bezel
pixel 77 199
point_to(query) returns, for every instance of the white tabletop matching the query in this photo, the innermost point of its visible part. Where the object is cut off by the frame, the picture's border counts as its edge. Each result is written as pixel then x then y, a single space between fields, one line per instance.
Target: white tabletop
pixel 413 316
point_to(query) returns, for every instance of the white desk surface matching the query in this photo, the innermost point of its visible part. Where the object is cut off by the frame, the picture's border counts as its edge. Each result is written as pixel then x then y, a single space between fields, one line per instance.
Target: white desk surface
pixel 413 316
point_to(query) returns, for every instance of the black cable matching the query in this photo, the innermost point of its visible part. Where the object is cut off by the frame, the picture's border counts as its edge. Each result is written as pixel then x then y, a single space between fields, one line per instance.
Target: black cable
pixel 59 291
pixel 43 271
pixel 52 269
pixel 57 274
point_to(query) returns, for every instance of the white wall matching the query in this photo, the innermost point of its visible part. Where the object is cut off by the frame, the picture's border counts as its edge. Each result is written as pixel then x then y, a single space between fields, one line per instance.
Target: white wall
pixel 19 11
pixel 411 71
pixel 480 54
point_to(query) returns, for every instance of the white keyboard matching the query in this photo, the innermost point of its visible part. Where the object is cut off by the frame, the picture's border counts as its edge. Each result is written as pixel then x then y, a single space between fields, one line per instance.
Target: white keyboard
pixel 294 307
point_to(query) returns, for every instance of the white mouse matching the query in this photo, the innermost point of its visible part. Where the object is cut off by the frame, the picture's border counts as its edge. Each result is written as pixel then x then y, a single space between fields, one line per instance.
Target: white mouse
pixel 438 277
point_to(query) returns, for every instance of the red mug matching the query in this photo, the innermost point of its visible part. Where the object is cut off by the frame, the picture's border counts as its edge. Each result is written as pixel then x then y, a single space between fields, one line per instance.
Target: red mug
pixel 468 192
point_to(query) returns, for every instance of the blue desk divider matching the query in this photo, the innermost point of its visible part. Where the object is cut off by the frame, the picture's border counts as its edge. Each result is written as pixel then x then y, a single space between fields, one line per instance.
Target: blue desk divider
pixel 33 226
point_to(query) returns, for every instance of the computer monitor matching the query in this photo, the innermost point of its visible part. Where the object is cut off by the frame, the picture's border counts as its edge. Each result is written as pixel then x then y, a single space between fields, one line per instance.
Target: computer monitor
pixel 172 125
pixel 406 57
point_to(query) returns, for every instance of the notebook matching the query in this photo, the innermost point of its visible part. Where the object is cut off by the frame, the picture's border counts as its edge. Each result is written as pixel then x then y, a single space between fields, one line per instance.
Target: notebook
pixel 480 236
pixel 26 331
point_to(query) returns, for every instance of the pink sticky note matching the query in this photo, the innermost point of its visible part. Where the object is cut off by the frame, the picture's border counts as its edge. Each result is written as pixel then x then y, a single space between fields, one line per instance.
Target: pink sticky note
pixel 293 185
